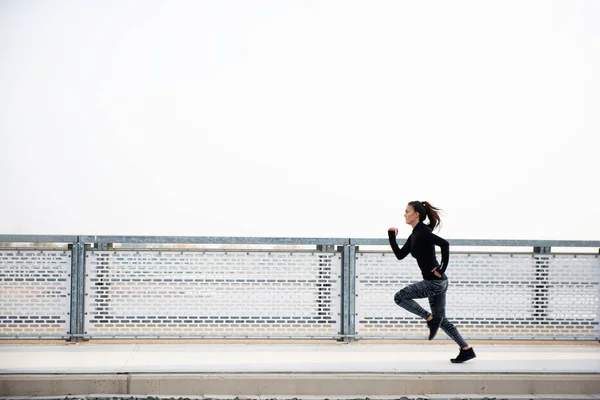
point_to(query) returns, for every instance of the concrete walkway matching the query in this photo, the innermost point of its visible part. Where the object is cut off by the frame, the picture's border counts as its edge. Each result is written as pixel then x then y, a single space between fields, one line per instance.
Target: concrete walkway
pixel 298 369
pixel 302 358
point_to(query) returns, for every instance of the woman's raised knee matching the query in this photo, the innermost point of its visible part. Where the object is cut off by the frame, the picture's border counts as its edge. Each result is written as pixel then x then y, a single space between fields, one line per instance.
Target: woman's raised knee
pixel 399 297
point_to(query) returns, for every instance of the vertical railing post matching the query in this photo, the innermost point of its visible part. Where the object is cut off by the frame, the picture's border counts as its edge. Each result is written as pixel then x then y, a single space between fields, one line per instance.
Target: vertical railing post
pixel 352 249
pixel 73 292
pixel 81 289
pixel 348 292
pixel 344 301
pixel 77 291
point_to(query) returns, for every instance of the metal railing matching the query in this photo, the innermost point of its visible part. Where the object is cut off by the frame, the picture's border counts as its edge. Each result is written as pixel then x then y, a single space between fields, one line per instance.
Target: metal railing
pixel 86 287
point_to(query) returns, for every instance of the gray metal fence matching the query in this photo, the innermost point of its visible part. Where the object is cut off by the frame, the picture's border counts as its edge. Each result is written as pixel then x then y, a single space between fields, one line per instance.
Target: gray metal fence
pixel 78 287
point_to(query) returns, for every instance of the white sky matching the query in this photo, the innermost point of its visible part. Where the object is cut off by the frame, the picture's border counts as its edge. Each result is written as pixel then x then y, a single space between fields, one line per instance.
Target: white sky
pixel 299 118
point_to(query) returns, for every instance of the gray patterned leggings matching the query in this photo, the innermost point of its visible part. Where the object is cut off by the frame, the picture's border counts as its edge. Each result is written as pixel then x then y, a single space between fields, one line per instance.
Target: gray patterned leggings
pixel 435 291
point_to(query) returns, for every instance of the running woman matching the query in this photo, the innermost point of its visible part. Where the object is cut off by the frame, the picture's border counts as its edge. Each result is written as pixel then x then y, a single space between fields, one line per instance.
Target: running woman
pixel 421 245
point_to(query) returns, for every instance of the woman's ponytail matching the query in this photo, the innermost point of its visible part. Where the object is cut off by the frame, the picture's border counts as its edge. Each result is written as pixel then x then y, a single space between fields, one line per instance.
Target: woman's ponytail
pixel 426 210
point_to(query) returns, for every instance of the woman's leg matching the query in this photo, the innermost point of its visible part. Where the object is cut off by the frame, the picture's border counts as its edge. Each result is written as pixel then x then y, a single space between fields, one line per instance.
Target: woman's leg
pixel 420 290
pixel 451 331
pixel 438 308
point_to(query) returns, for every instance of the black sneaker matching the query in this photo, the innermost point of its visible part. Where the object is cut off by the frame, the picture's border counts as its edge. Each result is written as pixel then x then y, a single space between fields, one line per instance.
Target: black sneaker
pixel 464 355
pixel 434 326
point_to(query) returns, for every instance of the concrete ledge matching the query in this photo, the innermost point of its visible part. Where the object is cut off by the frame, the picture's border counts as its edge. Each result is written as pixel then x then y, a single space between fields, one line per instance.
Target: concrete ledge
pixel 62 385
pixel 276 385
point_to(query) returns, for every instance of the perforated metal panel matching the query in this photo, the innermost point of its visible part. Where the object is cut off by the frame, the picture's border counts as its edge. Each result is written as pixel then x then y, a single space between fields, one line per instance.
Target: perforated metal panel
pixel 572 290
pixel 490 296
pixel 34 292
pixel 204 293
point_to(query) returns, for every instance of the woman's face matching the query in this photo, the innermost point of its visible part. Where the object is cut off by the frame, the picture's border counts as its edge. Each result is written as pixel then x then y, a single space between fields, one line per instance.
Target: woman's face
pixel 411 216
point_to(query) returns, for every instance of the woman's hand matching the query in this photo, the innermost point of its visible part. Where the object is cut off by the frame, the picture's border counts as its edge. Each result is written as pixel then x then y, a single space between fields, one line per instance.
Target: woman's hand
pixel 395 230
pixel 436 273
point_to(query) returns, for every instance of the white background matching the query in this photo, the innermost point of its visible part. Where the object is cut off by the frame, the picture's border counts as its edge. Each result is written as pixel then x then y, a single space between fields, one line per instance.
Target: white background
pixel 299 118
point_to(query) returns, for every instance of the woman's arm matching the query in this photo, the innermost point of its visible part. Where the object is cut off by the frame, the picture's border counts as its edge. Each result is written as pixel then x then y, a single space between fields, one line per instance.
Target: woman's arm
pixel 444 246
pixel 399 252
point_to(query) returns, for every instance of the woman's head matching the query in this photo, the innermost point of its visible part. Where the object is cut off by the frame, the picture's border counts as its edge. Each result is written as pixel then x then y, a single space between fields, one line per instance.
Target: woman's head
pixel 417 211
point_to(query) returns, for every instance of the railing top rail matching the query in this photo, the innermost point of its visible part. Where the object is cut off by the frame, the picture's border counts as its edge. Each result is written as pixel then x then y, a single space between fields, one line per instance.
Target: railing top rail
pixel 281 241
pixel 38 238
pixel 491 242
pixel 213 240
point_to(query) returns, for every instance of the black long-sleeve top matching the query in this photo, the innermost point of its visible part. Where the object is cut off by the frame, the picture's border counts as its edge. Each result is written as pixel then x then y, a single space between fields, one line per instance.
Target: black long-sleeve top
pixel 421 245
